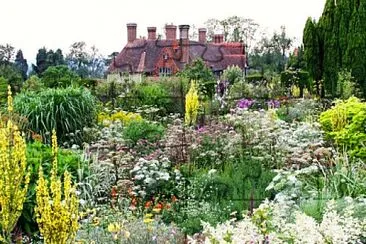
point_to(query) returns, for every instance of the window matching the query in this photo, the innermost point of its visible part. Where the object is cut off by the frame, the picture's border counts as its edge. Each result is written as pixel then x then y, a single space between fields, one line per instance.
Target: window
pixel 165 71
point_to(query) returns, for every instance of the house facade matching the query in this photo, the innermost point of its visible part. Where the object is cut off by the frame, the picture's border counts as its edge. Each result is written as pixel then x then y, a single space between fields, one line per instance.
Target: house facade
pixel 153 56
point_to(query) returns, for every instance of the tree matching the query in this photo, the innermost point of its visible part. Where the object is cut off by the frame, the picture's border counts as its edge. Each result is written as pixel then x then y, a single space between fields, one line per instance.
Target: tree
pixel 59 76
pixel 6 54
pixel 342 43
pixel 234 28
pixel 88 63
pixel 312 53
pixel 12 75
pixel 47 59
pixel 21 64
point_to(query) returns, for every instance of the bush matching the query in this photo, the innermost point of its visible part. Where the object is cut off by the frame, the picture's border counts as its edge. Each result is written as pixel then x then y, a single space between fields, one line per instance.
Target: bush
pixel 345 124
pixel 33 84
pixel 3 90
pixel 146 130
pixel 233 74
pixel 68 110
pixel 59 76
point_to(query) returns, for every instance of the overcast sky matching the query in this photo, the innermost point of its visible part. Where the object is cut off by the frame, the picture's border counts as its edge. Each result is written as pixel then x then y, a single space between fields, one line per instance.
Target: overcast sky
pixel 32 24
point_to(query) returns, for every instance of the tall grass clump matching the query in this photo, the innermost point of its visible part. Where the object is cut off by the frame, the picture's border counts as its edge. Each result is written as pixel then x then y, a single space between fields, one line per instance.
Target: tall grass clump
pixel 68 110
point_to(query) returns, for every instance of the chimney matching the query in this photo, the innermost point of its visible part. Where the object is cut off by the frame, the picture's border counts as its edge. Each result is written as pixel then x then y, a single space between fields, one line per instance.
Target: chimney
pixel 183 32
pixel 202 35
pixel 131 32
pixel 218 38
pixel 184 41
pixel 171 32
pixel 151 33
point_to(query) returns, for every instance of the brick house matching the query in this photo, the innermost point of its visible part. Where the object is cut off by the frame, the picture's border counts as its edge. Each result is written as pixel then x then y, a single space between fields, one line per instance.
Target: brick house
pixel 154 57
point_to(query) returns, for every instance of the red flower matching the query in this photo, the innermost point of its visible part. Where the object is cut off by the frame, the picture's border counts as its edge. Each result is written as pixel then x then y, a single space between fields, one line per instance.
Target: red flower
pixel 148 204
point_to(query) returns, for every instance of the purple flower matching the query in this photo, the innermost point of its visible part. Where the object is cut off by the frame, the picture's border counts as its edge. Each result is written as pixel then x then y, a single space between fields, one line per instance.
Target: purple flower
pixel 273 104
pixel 245 103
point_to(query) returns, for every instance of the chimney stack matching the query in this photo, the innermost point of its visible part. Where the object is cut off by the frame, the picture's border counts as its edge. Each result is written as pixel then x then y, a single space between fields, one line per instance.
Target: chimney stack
pixel 131 32
pixel 171 32
pixel 218 38
pixel 151 33
pixel 184 40
pixel 202 35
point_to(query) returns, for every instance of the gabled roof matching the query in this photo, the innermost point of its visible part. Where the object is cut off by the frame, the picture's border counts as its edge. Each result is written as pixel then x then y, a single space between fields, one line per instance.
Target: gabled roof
pixel 142 55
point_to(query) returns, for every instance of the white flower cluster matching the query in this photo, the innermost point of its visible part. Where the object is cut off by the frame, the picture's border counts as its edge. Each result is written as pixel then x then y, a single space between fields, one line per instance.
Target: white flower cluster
pixel 150 175
pixel 289 225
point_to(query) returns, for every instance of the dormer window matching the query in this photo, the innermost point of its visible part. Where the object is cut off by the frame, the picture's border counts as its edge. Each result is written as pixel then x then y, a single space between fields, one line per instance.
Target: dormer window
pixel 165 71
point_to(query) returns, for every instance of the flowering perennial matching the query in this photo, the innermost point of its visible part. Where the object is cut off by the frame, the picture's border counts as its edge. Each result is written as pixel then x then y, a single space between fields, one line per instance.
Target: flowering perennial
pixel 14 178
pixel 192 104
pixel 57 218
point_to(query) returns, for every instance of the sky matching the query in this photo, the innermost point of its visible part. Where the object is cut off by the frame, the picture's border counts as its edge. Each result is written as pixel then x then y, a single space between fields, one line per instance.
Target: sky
pixel 32 24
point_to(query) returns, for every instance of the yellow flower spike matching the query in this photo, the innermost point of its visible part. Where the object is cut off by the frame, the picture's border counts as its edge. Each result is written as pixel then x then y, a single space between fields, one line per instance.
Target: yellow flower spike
pixel 14 178
pixel 192 104
pixel 57 205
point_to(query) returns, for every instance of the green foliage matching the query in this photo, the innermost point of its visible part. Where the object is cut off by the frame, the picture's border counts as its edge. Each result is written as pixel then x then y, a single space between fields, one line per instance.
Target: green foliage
pixel 68 110
pixel 254 78
pixel 337 42
pixel 12 75
pixel 198 71
pixel 3 90
pixel 345 85
pixel 59 76
pixel 143 130
pixel 345 125
pixel 47 58
pixel 297 78
pixel 34 83
pixel 40 154
pixel 233 74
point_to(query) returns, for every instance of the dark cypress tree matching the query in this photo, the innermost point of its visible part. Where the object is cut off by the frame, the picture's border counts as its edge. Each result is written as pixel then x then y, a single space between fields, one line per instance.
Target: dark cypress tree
pixel 41 61
pixel 313 56
pixel 21 64
pixel 329 34
pixel 356 51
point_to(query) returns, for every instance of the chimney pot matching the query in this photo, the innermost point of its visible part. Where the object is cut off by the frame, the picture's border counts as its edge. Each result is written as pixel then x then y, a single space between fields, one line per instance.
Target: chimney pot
pixel 202 35
pixel 171 32
pixel 131 32
pixel 218 38
pixel 151 33
pixel 184 32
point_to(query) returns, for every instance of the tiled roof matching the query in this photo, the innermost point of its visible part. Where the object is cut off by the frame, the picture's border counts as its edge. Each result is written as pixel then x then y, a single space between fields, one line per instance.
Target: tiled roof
pixel 142 55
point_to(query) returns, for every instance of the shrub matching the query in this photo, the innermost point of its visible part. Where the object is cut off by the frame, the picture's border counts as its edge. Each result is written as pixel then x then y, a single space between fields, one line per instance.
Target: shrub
pixel 146 130
pixel 68 110
pixel 3 89
pixel 33 84
pixel 59 76
pixel 345 124
pixel 233 74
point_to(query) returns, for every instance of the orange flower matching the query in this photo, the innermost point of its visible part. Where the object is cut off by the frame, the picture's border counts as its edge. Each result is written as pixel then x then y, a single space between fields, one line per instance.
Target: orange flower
pixel 134 201
pixel 159 206
pixel 148 204
pixel 174 199
pixel 114 192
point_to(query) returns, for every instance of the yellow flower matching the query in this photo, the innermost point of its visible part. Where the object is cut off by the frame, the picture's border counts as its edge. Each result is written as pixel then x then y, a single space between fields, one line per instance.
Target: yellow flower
pixel 149 215
pixel 156 210
pixel 114 227
pixel 96 221
pixel 147 221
